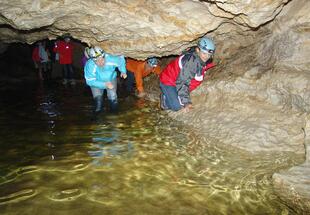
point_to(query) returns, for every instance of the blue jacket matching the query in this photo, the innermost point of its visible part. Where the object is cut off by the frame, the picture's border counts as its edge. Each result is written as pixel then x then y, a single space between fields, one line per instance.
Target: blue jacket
pixel 95 76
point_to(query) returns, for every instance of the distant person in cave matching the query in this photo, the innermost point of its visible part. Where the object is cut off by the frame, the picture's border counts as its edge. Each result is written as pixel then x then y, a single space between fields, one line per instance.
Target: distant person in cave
pixel 137 70
pixel 41 60
pixel 45 60
pixel 184 74
pixel 37 60
pixel 64 49
pixel 100 74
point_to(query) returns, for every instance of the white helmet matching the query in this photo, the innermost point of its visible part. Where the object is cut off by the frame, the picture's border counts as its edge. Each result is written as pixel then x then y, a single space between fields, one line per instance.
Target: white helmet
pixel 96 52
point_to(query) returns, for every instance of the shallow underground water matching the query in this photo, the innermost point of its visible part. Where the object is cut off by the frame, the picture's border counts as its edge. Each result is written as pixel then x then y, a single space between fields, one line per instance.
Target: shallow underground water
pixel 56 159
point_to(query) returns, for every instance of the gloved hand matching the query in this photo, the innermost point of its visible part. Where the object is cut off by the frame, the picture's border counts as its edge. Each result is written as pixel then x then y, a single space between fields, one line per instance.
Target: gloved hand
pixel 141 94
pixel 109 85
pixel 187 108
pixel 123 75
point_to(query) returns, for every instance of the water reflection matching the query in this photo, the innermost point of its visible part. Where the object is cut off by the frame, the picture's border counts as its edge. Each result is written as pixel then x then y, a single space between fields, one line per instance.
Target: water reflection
pixel 106 144
pixel 47 105
pixel 136 162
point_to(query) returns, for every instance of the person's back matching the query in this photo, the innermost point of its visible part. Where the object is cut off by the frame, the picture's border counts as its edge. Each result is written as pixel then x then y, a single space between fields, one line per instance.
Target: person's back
pixel 170 73
pixel 141 69
pixel 135 66
pixel 113 61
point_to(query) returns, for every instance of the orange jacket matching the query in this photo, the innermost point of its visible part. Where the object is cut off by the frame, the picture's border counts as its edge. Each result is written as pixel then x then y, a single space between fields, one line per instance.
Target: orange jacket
pixel 140 70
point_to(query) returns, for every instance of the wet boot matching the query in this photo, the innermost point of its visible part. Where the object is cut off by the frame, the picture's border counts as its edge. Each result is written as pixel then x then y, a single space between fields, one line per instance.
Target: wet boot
pixel 72 82
pixel 98 104
pixel 162 101
pixel 113 106
pixel 65 81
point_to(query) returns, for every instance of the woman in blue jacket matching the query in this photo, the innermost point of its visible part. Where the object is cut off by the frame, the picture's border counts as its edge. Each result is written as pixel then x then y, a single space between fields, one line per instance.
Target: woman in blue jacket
pixel 100 75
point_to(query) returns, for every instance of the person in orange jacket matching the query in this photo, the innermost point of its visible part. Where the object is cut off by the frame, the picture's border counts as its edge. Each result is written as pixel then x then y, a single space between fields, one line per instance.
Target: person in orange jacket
pixel 65 50
pixel 137 70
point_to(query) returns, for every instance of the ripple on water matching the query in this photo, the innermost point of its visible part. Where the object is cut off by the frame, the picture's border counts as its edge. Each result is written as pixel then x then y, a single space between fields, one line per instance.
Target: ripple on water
pixel 26 170
pixel 134 161
pixel 18 172
pixel 103 197
pixel 66 195
pixel 17 196
pixel 66 166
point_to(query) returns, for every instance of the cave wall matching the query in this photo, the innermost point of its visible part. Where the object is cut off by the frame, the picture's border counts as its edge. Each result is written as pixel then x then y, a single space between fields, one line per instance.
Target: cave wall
pixel 135 28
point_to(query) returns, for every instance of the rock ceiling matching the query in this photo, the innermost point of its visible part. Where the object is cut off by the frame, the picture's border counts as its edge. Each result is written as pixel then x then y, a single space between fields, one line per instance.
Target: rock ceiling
pixel 135 28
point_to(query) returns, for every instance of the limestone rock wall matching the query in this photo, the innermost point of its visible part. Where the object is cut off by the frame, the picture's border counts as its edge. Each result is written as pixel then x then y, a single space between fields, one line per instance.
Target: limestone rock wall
pixel 135 28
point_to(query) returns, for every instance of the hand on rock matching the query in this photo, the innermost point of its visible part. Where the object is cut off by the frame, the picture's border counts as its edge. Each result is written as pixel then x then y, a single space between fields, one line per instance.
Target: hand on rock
pixel 141 94
pixel 187 108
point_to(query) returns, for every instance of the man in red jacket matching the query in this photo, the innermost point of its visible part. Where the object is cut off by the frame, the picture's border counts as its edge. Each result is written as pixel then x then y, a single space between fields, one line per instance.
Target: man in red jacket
pixel 184 74
pixel 64 48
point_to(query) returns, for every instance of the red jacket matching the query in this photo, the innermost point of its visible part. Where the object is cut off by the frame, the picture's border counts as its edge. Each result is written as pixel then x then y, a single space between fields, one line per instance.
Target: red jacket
pixel 35 54
pixel 65 51
pixel 170 74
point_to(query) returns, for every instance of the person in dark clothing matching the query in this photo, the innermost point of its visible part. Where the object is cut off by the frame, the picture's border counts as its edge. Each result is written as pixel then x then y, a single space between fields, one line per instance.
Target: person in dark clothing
pixel 184 74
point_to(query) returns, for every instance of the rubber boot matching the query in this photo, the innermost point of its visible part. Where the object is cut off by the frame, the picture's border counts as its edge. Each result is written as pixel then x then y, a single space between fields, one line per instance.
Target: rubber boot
pixel 65 81
pixel 98 104
pixel 72 82
pixel 162 101
pixel 113 106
